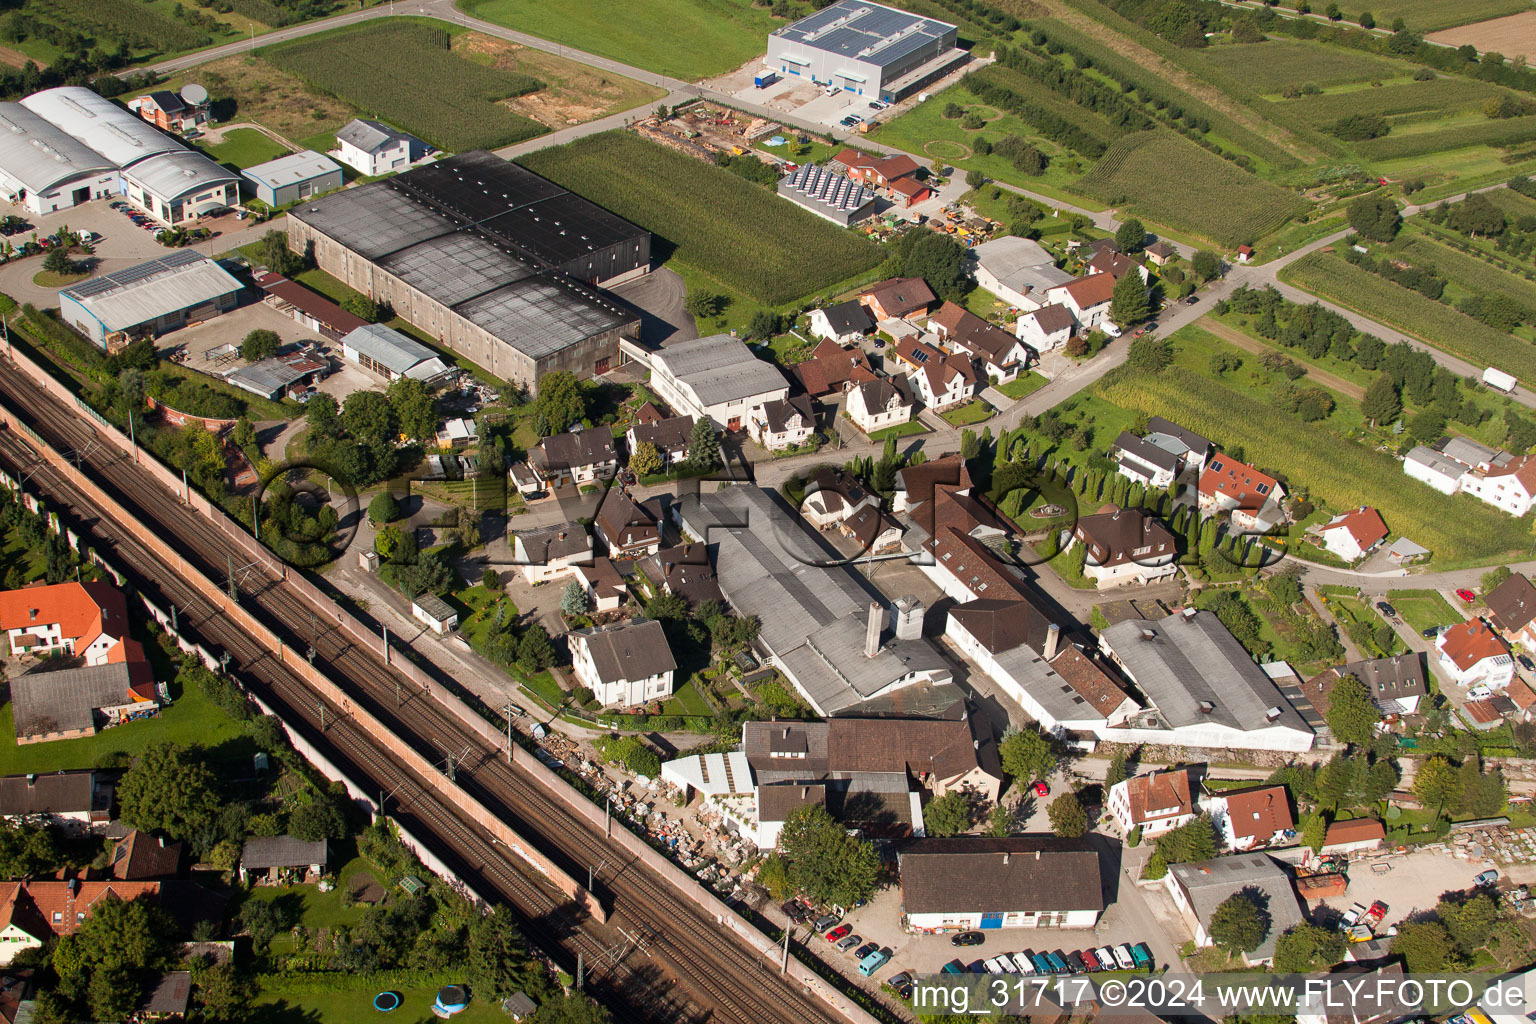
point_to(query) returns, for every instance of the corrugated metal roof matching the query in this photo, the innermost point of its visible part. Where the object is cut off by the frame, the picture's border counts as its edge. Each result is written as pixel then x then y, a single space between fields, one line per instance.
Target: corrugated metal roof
pixel 40 155
pixel 178 280
pixel 292 169
pixel 172 175
pixel 389 348
pixel 864 31
pixel 101 124
pixel 720 368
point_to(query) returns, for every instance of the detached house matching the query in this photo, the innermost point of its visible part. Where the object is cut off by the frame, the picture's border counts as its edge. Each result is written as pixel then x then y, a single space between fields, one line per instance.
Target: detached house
pixel 1018 270
pixel 1086 298
pixel 1472 653
pixel 897 298
pixel 1510 487
pixel 627 527
pixel 843 323
pixel 1246 819
pixel 1396 684
pixel 939 380
pixel 832 369
pixel 1354 534
pixel 667 434
pixel 577 456
pixel 1154 803
pixel 833 496
pixel 1116 265
pixel 549 552
pixel 1142 461
pixel 876 170
pixel 76 802
pixel 623 665
pixel 1125 546
pixel 783 423
pixel 1046 328
pixel 1252 497
pixel 85 620
pixel 1001 355
pixel 1512 606
pixel 880 403
pixel 373 147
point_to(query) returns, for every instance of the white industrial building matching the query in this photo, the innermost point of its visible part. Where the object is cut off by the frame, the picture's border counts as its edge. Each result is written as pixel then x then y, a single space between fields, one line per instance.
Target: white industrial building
pixel 866 49
pixel 971 882
pixel 390 354
pixel 1019 271
pixel 45 169
pixel 294 177
pixel 147 300
pixel 715 378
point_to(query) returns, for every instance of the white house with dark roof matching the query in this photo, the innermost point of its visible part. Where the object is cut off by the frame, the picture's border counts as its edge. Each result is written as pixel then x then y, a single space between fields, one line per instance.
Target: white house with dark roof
pixel 832 496
pixel 76 801
pixel 1200 887
pixel 877 404
pixel 716 378
pixel 1143 462
pixel 844 323
pixel 1046 328
pixel 373 147
pixel 1087 298
pixel 669 435
pixel 577 456
pixel 623 665
pixel 1428 466
pixel 782 423
pixel 1030 881
pixel 1125 546
pixel 626 526
pixel 550 552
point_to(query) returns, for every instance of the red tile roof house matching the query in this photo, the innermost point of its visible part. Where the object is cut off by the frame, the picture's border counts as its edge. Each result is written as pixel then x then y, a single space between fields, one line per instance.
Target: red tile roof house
pixel 1248 819
pixel 1472 653
pixel 1154 803
pixel 1354 534
pixel 876 170
pixel 1512 606
pixel 1001 355
pixel 897 297
pixel 1087 299
pixel 33 912
pixel 1252 497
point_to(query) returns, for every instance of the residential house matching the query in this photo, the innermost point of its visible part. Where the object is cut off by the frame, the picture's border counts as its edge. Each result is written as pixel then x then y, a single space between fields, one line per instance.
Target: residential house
pixel 1161 253
pixel 1471 653
pixel 61 698
pixel 1198 888
pixel 1368 993
pixel 1488 713
pixel 1354 534
pixel 1087 298
pixel 438 615
pixel 1429 466
pixel 624 665
pixel 627 527
pixel 550 552
pixel 1522 697
pixel 1353 835
pixel 1115 264
pixel 605 587
pixel 171 111
pixel 1512 607
pixel 832 370
pixel 1046 328
pixel 86 620
pixel 36 911
pixel 939 380
pixel 876 170
pixel 373 147
pixel 873 530
pixel 1253 498
pixel 139 857
pixel 897 298
pixel 1190 448
pixel 833 495
pixel 1018 270
pixel 715 378
pixel 844 323
pixel 1396 684
pixel 1247 819
pixel 1505 481
pixel 1155 803
pixel 1143 462
pixel 578 456
pixel 77 802
pixel 1510 487
pixel 1001 355
pixel 1125 546
pixel 685 571
pixel 274 858
pixel 667 434
pixel 1031 881
pixel 880 403
pixel 782 423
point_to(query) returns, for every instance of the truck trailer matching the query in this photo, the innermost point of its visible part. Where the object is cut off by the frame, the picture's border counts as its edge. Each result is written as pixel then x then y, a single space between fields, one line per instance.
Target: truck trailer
pixel 1499 380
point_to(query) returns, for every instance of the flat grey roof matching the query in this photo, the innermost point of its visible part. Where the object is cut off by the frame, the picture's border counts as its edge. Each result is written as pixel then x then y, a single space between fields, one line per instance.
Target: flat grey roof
pixel 178 280
pixel 388 347
pixel 542 315
pixel 292 169
pixel 1211 882
pixel 455 268
pixel 1021 264
pixel 267 377
pixel 374 220
pixel 864 31
pixel 720 368
pixel 434 606
pixel 40 155
pixel 1192 660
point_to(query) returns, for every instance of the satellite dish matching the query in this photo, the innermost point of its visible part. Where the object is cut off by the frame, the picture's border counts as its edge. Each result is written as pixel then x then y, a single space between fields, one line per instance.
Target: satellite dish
pixel 194 93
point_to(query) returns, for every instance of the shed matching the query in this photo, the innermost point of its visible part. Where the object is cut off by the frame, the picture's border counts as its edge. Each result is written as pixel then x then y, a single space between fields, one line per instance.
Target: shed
pixel 294 177
pixel 391 354
pixel 518 1006
pixel 273 856
pixel 435 612
pixel 169 998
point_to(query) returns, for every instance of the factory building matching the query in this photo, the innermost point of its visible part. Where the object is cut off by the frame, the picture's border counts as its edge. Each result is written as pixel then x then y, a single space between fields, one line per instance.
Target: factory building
pixel 866 49
pixel 500 265
pixel 147 300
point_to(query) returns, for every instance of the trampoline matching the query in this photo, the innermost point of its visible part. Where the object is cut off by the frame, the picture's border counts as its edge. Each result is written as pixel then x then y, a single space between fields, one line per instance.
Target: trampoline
pixel 451 999
pixel 384 1002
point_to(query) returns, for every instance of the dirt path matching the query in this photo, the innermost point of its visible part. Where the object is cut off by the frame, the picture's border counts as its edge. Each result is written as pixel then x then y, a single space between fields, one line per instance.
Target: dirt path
pixel 1248 344
pixel 1183 79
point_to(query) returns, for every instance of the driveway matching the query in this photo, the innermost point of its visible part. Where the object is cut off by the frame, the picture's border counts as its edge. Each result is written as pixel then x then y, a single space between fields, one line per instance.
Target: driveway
pixel 658 297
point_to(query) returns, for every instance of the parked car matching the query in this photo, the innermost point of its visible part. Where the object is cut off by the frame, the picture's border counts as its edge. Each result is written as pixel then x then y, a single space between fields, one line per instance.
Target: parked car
pixel 866 949
pixel 994 965
pixel 1042 789
pixel 825 922
pixel 1091 959
pixel 953 967
pixel 1023 963
pixel 1190 300
pixel 1430 633
pixel 1351 915
pixel 1386 609
pixel 1142 955
pixel 794 910
pixel 901 983
pixel 1526 663
pixel 838 933
pixel 1077 963
pixel 1487 878
pixel 1042 964
pixel 968 939
pixel 1106 958
pixel 1058 964
pixel 1123 957
pixel 1466 595
pixel 977 967
pixel 844 945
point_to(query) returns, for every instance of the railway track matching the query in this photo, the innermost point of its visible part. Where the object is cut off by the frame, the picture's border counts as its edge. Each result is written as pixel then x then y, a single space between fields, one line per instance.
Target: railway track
pixel 720 978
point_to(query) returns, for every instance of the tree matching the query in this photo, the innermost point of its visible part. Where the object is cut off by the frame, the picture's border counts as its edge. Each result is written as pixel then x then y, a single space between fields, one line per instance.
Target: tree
pixel 1027 755
pixel 571 1008
pixel 1470 923
pixel 323 416
pixel 703 446
pixel 224 993
pixel 370 419
pixel 1425 947
pixel 170 789
pixel 1381 403
pixel 28 850
pixel 1351 714
pixel 1315 833
pixel 1068 819
pixel 999 822
pixel 645 459
pixel 414 408
pixel 496 959
pixel 1128 305
pixel 561 403
pixel 362 307
pixel 1380 780
pixel 275 255
pixel 317 819
pixel 975 179
pixel 948 815
pixel 1131 236
pixel 535 651
pixel 1375 217
pixel 58 262
pixel 1150 355
pixel 1308 947
pixel 1238 925
pixel 573 599
pixel 1206 265
pixel 383 508
pixel 1494 578
pixel 939 260
pixel 1367 19
pixel 1192 841
pixel 260 344
pixel 703 304
pixel 826 862
pixel 1115 773
pixel 1435 783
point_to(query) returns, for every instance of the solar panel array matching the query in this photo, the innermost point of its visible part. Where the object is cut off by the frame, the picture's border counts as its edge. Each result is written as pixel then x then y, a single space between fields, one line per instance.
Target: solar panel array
pixel 828 187
pixel 135 274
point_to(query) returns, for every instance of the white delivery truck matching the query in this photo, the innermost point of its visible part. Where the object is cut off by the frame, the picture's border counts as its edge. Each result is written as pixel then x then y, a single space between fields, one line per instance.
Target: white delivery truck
pixel 1499 380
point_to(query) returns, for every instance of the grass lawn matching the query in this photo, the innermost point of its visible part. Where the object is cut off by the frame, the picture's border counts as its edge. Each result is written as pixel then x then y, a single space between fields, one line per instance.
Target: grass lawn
pixel 48 279
pixel 900 430
pixel 685 700
pixel 1025 384
pixel 254 90
pixel 1347 609
pixel 245 147
pixel 971 412
pixel 688 39
pixel 348 1007
pixel 788 349
pixel 1423 609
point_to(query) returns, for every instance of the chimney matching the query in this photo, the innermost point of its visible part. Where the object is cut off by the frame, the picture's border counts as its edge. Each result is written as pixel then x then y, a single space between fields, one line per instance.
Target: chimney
pixel 1052 640
pixel 1191 612
pixel 1005 858
pixel 872 634
pixel 31 780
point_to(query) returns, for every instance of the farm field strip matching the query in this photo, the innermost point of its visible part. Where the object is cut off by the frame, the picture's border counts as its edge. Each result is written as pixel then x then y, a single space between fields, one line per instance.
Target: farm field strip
pixel 1272 65
pixel 1467 271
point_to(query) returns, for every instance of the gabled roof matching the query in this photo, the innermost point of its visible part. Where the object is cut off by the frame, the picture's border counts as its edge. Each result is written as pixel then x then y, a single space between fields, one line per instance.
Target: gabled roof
pixel 1512 604
pixel 1191 441
pixel 670 433
pixel 84 611
pixel 139 855
pixel 1021 873
pixel 1168 794
pixel 1211 882
pixel 1052 318
pixel 719 369
pixel 557 540
pixel 908 187
pixel 848 317
pixel 1364 524
pixel 1226 476
pixel 1145 452
pixel 1354 830
pixel 967 331
pixel 1522 469
pixel 1121 533
pixel 263 852
pixel 370 136
pixel 1090 291
pixel 1260 812
pixel 1113 263
pixel 900 296
pixel 623 521
pixel 53 698
pixel 1391 678
pixel 587 446
pixel 630 650
pixel 878 393
pixel 53 793
pixel 1471 642
pixel 779 412
pixel 1161 249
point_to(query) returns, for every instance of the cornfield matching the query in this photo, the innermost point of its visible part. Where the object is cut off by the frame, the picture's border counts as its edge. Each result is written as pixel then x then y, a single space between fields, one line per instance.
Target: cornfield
pixel 745 235
pixel 1442 95
pixel 404 74
pixel 1338 471
pixel 1165 179
pixel 1408 311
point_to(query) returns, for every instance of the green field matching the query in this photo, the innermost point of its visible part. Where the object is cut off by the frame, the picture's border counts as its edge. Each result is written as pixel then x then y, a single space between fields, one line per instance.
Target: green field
pixel 245 147
pixel 1469 272
pixel 687 39
pixel 1430 15
pixel 741 233
pixel 1445 328
pixel 1444 96
pixel 1270 66
pixel 384 68
pixel 1423 609
pixel 1458 529
pixel 1425 139
pixel 1167 179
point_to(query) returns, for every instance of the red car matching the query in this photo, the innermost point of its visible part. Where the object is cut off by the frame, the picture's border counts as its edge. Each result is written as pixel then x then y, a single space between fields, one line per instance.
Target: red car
pixel 1466 595
pixel 840 932
pixel 1041 789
